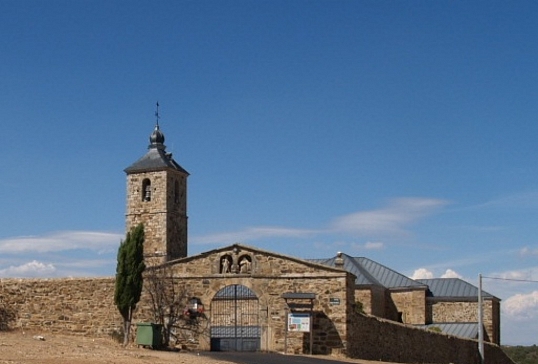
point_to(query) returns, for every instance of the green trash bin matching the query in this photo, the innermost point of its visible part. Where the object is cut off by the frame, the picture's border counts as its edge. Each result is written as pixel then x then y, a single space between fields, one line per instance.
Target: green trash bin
pixel 148 334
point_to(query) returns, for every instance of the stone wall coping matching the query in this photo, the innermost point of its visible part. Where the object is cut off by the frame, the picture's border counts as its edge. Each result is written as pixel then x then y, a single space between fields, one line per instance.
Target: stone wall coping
pixel 58 279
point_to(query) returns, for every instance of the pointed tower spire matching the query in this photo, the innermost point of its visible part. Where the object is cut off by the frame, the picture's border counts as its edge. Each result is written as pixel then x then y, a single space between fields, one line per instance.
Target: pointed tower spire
pixel 157 116
pixel 156 138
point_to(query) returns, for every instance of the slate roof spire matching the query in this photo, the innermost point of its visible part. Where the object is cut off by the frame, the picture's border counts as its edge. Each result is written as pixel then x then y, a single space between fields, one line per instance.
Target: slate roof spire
pixel 156 139
pixel 156 158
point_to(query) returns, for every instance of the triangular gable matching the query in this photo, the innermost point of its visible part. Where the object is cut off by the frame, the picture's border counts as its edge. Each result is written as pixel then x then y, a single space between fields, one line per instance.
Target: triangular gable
pixel 208 261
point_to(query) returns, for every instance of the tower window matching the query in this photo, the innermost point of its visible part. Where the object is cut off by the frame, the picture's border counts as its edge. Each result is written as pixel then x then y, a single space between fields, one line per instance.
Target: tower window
pixel 146 190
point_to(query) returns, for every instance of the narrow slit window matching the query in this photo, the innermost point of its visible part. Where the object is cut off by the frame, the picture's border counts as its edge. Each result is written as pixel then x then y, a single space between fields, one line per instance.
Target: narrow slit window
pixel 146 190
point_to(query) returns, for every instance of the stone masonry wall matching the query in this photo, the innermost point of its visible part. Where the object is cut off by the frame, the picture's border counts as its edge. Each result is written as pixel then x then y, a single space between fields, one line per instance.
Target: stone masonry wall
pixel 378 339
pixel 468 312
pixel 151 213
pixel 164 215
pixel 271 276
pixel 82 306
pixel 364 296
pixel 85 306
pixel 412 305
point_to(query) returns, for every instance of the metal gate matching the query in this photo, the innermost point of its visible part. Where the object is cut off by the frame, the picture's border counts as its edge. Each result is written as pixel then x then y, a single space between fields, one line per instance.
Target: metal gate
pixel 234 320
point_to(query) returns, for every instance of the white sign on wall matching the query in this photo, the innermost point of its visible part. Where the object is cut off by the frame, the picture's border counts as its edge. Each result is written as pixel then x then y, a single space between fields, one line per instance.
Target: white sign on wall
pixel 299 322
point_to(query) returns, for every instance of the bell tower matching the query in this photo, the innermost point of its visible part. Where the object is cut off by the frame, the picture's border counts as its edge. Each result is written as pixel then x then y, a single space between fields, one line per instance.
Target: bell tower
pixel 157 197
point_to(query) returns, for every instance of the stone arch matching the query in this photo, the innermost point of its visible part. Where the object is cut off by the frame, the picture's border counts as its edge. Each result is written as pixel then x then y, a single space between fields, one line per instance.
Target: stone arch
pixel 146 189
pixel 235 322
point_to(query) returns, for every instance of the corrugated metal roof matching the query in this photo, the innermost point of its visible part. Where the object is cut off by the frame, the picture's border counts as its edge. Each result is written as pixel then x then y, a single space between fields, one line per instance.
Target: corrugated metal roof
pixel 389 278
pixel 452 287
pixel 369 272
pixel 468 330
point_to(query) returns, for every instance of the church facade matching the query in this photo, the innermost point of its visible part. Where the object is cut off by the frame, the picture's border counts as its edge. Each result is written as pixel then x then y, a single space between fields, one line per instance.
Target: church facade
pixel 250 299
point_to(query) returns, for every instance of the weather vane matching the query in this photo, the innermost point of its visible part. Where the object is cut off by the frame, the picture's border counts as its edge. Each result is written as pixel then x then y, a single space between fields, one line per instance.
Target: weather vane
pixel 157 116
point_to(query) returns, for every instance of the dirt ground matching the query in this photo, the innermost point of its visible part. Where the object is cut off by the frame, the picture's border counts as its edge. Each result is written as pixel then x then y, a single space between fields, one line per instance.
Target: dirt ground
pixel 46 348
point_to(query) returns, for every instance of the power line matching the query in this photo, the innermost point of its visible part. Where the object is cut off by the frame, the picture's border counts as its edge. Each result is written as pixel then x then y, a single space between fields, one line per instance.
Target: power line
pixel 511 279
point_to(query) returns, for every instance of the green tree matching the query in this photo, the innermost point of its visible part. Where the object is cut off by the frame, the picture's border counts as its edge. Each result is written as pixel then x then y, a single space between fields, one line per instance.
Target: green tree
pixel 129 276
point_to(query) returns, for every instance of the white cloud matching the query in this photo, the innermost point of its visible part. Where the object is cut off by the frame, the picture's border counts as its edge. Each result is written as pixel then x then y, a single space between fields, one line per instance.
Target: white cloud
pixel 61 241
pixel 392 219
pixel 526 252
pixel 519 200
pixel 449 273
pixel 252 234
pixel 389 220
pixel 522 306
pixel 374 245
pixel 422 273
pixel 370 245
pixel 30 269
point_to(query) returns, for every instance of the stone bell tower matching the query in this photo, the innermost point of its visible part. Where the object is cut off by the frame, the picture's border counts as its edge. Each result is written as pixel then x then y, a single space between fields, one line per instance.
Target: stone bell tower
pixel 157 197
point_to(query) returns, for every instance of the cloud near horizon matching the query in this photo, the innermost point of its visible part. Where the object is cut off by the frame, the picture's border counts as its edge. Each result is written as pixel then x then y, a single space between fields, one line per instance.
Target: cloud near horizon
pixel 61 241
pixel 30 269
pixel 252 233
pixel 522 307
pixel 390 220
pixel 423 273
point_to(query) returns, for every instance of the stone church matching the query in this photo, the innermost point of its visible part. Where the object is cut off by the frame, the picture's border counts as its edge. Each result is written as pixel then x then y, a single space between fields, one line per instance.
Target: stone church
pixel 247 299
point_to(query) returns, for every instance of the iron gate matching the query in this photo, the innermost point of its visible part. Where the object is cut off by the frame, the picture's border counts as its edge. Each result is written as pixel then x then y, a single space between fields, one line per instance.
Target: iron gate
pixel 234 320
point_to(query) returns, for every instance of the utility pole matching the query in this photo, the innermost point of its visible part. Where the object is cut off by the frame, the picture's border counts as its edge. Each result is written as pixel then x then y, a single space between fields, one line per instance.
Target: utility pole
pixel 480 321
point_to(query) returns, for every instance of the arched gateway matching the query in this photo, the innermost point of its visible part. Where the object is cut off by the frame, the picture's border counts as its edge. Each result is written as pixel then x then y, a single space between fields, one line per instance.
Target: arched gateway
pixel 235 319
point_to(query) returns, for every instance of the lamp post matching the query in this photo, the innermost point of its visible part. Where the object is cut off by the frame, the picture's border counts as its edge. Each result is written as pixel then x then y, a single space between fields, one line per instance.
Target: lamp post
pixel 480 321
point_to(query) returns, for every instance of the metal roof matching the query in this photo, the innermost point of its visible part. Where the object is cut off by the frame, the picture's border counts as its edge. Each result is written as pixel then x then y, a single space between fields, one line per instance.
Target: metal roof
pixel 369 272
pixel 155 159
pixel 468 330
pixel 452 287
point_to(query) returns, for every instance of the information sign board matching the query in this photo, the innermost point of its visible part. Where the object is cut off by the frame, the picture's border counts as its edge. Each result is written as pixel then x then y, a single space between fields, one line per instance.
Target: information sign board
pixel 299 322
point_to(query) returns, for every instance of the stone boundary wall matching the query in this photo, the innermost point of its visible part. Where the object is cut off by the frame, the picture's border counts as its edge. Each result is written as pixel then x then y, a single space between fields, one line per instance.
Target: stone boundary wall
pixel 79 306
pixel 384 340
pixel 85 306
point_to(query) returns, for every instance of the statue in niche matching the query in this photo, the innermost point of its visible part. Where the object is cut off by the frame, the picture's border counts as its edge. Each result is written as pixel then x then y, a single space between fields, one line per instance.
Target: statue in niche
pixel 245 265
pixel 225 265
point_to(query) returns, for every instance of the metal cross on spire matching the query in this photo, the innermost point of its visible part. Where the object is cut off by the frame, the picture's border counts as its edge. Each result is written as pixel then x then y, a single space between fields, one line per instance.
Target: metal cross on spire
pixel 157 116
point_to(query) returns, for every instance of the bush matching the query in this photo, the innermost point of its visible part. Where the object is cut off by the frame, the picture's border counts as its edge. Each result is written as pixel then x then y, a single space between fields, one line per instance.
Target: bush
pixel 7 316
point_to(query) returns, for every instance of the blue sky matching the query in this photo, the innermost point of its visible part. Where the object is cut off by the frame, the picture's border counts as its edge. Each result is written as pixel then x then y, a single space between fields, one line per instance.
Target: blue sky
pixel 402 131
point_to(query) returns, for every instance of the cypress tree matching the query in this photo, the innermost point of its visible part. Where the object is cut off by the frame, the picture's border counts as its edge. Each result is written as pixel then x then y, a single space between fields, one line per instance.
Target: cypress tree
pixel 129 276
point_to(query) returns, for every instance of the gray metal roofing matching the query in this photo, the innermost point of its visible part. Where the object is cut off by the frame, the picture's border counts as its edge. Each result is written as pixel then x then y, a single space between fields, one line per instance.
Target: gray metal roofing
pixel 452 287
pixel 155 159
pixel 369 272
pixel 467 330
